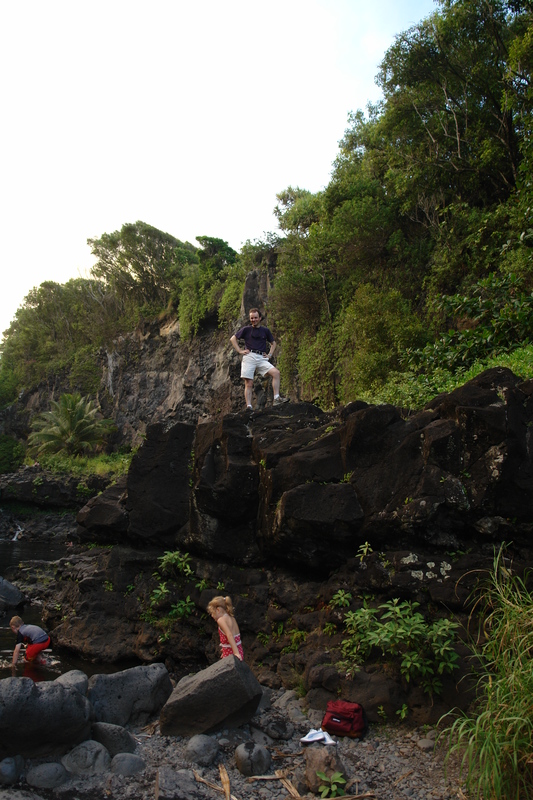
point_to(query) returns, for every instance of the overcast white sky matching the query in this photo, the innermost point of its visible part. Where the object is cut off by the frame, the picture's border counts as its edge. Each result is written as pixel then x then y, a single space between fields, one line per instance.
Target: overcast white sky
pixel 187 114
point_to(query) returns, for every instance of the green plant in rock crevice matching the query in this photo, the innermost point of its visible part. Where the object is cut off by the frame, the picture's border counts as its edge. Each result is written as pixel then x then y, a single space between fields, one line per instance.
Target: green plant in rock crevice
pixel 159 593
pixel 176 559
pixel 297 638
pixel 183 608
pixel 364 550
pixel 423 651
pixel 331 786
pixel 341 598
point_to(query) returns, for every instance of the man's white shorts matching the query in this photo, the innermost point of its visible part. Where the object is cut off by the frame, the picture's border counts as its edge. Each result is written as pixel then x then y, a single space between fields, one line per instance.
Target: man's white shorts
pixel 252 363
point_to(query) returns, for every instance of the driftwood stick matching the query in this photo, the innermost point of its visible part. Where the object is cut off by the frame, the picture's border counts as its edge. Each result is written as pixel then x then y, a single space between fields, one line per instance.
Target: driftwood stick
pixel 280 754
pixel 288 785
pixel 224 778
pixel 400 779
pixel 211 785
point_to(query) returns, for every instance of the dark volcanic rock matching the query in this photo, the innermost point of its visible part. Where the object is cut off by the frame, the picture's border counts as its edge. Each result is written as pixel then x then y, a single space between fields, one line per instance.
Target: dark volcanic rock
pixel 308 488
pixel 152 503
pixel 296 485
pixel 54 716
pixel 105 517
pixel 224 695
pixel 37 487
pixel 158 482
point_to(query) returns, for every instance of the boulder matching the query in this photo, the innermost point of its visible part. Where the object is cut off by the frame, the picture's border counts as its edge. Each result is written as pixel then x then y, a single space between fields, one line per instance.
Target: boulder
pixel 201 749
pixel 131 696
pixel 115 738
pixel 252 759
pixel 47 776
pixel 39 718
pixel 10 596
pixel 127 764
pixel 11 770
pixel 104 518
pixel 226 694
pixel 88 758
pixel 74 679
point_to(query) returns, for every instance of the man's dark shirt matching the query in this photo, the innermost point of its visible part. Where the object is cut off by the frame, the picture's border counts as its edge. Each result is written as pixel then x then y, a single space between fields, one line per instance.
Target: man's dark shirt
pixel 255 338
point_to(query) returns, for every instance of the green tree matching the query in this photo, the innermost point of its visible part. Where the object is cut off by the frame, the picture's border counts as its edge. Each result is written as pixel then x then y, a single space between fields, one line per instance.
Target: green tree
pixel 72 427
pixel 372 335
pixel 54 321
pixel 141 265
pixel 202 284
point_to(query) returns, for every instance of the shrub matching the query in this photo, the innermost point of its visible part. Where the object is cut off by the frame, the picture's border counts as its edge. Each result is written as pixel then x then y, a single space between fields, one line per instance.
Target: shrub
pixel 422 651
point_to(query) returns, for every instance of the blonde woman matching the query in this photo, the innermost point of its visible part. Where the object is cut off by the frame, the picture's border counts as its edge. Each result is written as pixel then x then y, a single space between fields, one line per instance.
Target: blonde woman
pixel 221 610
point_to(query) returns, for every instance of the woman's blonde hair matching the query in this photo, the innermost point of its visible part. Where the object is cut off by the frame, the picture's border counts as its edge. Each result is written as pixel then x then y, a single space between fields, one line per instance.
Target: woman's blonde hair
pixel 221 602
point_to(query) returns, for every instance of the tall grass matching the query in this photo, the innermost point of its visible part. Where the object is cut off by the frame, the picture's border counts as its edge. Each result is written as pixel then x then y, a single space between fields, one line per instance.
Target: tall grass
pixel 495 741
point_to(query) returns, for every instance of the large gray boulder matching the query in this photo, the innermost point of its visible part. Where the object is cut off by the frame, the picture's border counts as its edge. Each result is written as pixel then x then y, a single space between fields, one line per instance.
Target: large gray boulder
pixel 10 596
pixel 74 679
pixel 37 718
pixel 131 696
pixel 226 694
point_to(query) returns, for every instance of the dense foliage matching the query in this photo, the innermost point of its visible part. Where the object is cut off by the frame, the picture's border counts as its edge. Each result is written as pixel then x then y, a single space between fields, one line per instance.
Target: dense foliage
pixel 413 265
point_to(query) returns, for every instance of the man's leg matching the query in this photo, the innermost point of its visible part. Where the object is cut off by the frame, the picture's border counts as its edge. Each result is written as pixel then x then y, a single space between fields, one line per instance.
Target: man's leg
pixel 275 375
pixel 33 650
pixel 248 388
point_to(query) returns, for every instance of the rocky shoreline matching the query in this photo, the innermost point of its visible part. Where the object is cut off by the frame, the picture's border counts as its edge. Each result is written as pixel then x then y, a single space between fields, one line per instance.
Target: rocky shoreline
pixel 393 762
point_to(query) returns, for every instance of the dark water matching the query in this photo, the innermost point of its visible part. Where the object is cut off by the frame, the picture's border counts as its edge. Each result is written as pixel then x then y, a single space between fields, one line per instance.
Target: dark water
pixel 13 553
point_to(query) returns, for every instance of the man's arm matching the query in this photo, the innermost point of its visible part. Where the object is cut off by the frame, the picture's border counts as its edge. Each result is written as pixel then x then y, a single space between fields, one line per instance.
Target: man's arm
pixel 272 349
pixel 237 347
pixel 16 652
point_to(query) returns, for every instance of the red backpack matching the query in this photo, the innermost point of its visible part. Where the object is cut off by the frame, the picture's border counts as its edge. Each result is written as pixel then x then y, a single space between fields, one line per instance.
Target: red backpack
pixel 345 719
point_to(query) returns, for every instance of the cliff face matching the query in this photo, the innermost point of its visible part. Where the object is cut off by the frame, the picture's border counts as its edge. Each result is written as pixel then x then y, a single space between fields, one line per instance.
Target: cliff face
pixel 152 376
pixel 149 376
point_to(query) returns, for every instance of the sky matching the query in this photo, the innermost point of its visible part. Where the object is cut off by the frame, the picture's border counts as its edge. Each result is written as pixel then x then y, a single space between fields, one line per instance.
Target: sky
pixel 190 116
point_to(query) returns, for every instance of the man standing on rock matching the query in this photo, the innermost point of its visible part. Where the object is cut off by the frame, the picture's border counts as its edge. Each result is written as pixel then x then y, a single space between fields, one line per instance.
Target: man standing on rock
pixel 256 357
